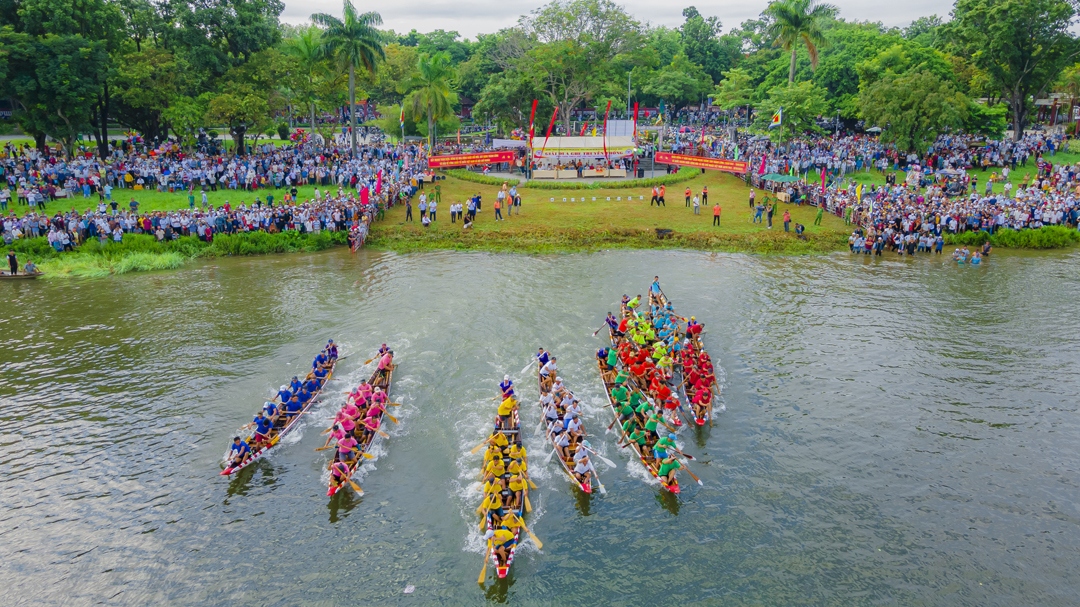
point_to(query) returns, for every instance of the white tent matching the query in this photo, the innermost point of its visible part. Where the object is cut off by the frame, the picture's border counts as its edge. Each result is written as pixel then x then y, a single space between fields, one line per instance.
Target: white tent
pixel 582 147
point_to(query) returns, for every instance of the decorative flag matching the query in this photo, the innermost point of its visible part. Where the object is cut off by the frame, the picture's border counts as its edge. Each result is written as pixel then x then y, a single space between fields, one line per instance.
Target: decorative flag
pixel 594 131
pixel 761 171
pixel 401 119
pixel 583 127
pixel 606 114
pixel 635 119
pixel 532 122
pixel 378 183
pixel 551 125
pixel 823 181
pixel 858 192
pixel 777 118
pixel 736 152
pixel 702 140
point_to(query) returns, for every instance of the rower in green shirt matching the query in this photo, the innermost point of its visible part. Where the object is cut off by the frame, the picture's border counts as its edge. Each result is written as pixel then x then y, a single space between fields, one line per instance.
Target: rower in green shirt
pixel 638 436
pixel 621 377
pixel 620 394
pixel 650 424
pixel 667 470
pixel 612 357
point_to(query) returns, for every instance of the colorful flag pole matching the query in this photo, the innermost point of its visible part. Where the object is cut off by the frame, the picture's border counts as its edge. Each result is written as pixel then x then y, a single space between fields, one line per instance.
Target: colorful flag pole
pixel 551 125
pixel 635 119
pixel 761 170
pixel 401 121
pixel 532 122
pixel 822 181
pixel 584 127
pixel 606 114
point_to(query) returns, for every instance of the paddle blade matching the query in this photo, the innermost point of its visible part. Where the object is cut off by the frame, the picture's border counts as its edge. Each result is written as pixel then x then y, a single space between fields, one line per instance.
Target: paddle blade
pixel 601 485
pixel 368 455
pixel 528 504
pixel 527 367
pixel 477 448
pixel 548 459
pixel 356 488
pixel 536 540
pixel 532 485
pixel 391 417
pixel 483 572
pixel 368 361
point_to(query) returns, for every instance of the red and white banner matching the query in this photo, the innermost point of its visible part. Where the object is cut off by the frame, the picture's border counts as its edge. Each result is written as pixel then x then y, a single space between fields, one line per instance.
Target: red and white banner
pixel 463 160
pixel 701 162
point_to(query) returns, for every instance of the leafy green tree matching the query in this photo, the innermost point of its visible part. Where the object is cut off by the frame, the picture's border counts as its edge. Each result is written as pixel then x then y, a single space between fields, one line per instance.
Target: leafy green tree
pixel 355 43
pixel 802 104
pixel 145 82
pixel 1023 45
pixel 307 48
pixel 917 106
pixel 214 36
pixel 387 85
pixel 799 22
pixel 703 44
pixel 925 31
pixel 241 109
pixel 986 120
pixel 680 83
pixel 185 116
pixel 735 89
pixel 432 92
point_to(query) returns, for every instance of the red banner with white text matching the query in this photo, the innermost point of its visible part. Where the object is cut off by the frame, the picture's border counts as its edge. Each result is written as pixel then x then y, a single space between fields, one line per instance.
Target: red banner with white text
pixel 463 160
pixel 701 162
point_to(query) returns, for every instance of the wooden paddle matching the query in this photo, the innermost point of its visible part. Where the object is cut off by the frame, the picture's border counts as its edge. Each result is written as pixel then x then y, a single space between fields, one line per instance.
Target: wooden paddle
pixel 483 572
pixel 532 536
pixel 548 459
pixel 692 475
pixel 528 506
pixel 377 431
pixel 390 417
pixel 606 461
pixel 532 485
pixel 598 330
pixel 603 491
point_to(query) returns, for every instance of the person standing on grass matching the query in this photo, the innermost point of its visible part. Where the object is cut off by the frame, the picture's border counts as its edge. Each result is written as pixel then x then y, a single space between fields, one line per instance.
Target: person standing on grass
pixel 769 213
pixel 758 210
pixel 655 197
pixel 422 207
pixel 787 220
pixel 697 206
pixel 751 198
pixel 704 194
pixel 716 215
pixel 408 210
pixel 432 207
pixel 663 191
pixel 817 218
pixel 498 210
pixel 688 194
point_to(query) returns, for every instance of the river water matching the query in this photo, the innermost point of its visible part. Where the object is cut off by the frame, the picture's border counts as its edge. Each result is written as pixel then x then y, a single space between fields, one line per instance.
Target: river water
pixel 897 432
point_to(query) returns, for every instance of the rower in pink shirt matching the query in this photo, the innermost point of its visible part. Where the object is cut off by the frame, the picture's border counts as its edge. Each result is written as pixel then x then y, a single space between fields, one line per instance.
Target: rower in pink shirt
pixel 345 446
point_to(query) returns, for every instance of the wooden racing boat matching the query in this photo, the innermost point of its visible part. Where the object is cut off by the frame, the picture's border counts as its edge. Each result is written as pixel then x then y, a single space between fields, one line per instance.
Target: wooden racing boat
pixel 378 379
pixel 256 455
pixel 19 276
pixel 502 566
pixel 585 485
pixel 702 413
pixel 650 464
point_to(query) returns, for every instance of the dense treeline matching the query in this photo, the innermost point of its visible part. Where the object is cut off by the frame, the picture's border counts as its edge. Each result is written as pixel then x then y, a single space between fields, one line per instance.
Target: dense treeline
pixel 172 67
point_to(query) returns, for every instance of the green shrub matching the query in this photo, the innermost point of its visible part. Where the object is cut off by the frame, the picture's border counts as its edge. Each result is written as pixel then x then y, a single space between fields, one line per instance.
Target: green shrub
pixel 1047 237
pixel 467 175
pixel 283 131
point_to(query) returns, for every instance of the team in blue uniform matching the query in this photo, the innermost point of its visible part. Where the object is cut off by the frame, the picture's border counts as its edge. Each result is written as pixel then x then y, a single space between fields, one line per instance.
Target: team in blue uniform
pixel 293 397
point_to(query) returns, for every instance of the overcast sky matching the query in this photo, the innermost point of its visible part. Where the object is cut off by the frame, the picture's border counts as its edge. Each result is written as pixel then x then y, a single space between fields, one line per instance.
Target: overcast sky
pixel 470 17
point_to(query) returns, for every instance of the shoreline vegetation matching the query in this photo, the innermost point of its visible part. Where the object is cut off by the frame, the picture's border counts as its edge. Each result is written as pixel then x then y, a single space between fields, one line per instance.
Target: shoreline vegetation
pixel 599 218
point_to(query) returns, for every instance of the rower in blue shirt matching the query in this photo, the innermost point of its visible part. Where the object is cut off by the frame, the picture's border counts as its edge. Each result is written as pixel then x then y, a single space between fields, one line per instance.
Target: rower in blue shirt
pixel 239 452
pixel 655 286
pixel 294 406
pixel 320 360
pixel 507 387
pixel 284 394
pixel 295 384
pixel 320 375
pixel 612 321
pixel 262 428
pixel 311 385
pixel 542 357
pixel 303 396
pixel 271 410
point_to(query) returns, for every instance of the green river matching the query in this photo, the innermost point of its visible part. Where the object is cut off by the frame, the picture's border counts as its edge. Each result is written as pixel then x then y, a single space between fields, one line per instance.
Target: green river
pixel 896 432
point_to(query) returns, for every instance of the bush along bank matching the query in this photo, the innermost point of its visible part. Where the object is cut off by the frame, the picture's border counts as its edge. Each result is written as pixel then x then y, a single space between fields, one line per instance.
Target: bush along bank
pixel 142 252
pixel 406 239
pixel 1046 237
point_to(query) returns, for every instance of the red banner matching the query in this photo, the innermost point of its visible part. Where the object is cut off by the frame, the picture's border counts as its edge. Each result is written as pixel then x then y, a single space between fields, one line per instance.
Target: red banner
pixel 463 160
pixel 701 162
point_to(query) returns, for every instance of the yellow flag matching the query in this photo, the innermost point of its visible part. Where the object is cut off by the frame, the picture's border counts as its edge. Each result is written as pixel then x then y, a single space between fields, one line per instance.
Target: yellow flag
pixel 594 131
pixel 858 192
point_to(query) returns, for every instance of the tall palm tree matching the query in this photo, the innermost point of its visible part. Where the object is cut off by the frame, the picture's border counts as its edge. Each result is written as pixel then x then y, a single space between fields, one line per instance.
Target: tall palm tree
pixel 355 43
pixel 795 21
pixel 308 49
pixel 432 90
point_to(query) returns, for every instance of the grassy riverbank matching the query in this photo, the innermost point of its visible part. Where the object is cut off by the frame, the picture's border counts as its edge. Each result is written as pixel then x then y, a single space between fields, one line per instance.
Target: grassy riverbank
pixel 607 218
pixel 141 252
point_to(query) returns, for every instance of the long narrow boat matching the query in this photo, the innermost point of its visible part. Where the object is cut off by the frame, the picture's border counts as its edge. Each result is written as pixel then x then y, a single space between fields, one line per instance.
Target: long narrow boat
pixel 289 427
pixel 19 276
pixel 649 463
pixel 690 392
pixel 586 485
pixel 513 436
pixel 378 379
